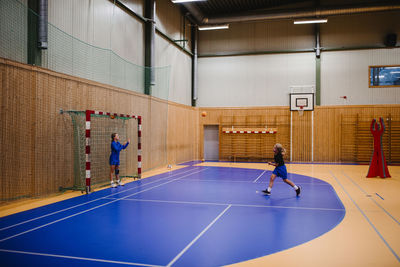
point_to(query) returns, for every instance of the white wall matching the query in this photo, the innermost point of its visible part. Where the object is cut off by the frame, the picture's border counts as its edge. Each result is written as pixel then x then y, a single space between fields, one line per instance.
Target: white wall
pixel 180 70
pixel 345 73
pixel 264 79
pixel 256 80
pixel 135 5
pixel 259 80
pixel 169 20
pixel 102 24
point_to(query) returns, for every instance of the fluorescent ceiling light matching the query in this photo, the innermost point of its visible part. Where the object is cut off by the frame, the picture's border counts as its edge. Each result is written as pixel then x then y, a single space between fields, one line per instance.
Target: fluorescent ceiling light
pixel 308 21
pixel 184 1
pixel 213 27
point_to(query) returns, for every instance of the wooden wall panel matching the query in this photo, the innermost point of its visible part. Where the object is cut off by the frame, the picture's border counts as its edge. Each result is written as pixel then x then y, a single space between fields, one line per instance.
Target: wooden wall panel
pixel 36 140
pixel 327 134
pixel 16 127
pixel 247 146
pixel 156 128
pixel 182 133
pixel 337 139
pixel 395 139
pixel 301 136
pixel 331 142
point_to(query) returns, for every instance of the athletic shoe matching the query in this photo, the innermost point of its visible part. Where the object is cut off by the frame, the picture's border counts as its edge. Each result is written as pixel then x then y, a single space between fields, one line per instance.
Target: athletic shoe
pixel 113 185
pixel 120 183
pixel 298 191
pixel 266 192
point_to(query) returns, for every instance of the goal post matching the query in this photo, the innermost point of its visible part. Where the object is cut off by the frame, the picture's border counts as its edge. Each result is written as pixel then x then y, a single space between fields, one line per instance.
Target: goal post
pixel 92 146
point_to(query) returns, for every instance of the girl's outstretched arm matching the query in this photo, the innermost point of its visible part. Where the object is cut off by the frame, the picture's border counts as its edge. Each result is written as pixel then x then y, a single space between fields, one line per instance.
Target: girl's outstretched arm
pixel 126 144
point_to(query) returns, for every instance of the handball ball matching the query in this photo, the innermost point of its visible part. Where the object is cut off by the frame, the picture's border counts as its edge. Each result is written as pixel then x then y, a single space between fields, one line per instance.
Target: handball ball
pixel 203 114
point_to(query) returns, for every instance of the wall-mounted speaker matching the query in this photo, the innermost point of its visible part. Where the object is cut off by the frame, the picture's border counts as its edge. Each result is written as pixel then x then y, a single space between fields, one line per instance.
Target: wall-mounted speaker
pixel 391 40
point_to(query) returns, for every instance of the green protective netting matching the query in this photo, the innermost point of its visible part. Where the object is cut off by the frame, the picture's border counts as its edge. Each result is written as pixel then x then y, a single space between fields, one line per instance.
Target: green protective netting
pixel 69 55
pixel 102 127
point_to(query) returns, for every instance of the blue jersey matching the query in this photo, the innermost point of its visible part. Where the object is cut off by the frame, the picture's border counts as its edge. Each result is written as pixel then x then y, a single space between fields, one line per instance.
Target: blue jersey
pixel 116 147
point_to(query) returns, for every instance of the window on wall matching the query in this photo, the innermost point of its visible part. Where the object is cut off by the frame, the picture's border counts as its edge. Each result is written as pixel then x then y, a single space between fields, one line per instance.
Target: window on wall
pixel 384 76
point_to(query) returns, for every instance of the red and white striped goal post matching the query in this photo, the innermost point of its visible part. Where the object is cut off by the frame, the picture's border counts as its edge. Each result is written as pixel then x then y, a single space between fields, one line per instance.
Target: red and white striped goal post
pixel 89 113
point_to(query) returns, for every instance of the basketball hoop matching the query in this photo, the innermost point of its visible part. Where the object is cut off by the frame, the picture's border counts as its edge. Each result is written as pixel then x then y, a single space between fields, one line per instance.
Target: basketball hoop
pixel 301 111
pixel 301 102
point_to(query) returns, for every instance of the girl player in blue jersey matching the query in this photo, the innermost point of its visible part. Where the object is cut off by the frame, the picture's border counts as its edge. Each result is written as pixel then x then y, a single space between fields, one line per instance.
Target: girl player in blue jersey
pixel 116 147
pixel 280 170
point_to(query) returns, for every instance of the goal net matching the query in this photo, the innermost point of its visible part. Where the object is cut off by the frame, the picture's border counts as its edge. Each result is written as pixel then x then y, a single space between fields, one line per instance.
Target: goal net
pixel 92 146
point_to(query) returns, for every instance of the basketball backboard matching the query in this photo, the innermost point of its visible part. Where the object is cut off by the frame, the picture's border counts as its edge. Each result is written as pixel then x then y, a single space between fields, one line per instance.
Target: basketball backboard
pixel 302 101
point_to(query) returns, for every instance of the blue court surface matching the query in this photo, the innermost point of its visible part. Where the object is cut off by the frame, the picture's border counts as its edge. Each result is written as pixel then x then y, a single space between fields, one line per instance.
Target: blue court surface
pixel 194 216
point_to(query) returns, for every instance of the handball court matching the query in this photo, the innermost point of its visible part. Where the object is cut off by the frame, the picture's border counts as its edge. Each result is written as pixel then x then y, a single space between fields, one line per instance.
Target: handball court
pixel 211 214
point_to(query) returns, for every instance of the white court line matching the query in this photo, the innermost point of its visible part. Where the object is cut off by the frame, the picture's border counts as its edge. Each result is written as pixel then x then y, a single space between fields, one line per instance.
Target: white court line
pixel 284 207
pixel 226 204
pixel 373 200
pixel 366 217
pixel 84 211
pixel 49 214
pixel 174 202
pixel 197 237
pixel 255 181
pixel 77 258
pixel 233 181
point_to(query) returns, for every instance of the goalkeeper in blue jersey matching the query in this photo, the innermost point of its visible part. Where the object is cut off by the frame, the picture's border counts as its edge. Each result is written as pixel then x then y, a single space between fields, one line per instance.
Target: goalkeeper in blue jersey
pixel 116 147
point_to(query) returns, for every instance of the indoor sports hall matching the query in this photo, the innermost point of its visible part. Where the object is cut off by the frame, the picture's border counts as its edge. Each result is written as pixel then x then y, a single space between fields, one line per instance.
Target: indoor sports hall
pixel 199 133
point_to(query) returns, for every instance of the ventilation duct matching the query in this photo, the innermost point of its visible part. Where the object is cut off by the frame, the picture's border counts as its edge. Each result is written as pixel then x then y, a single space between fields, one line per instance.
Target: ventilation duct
pixel 291 14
